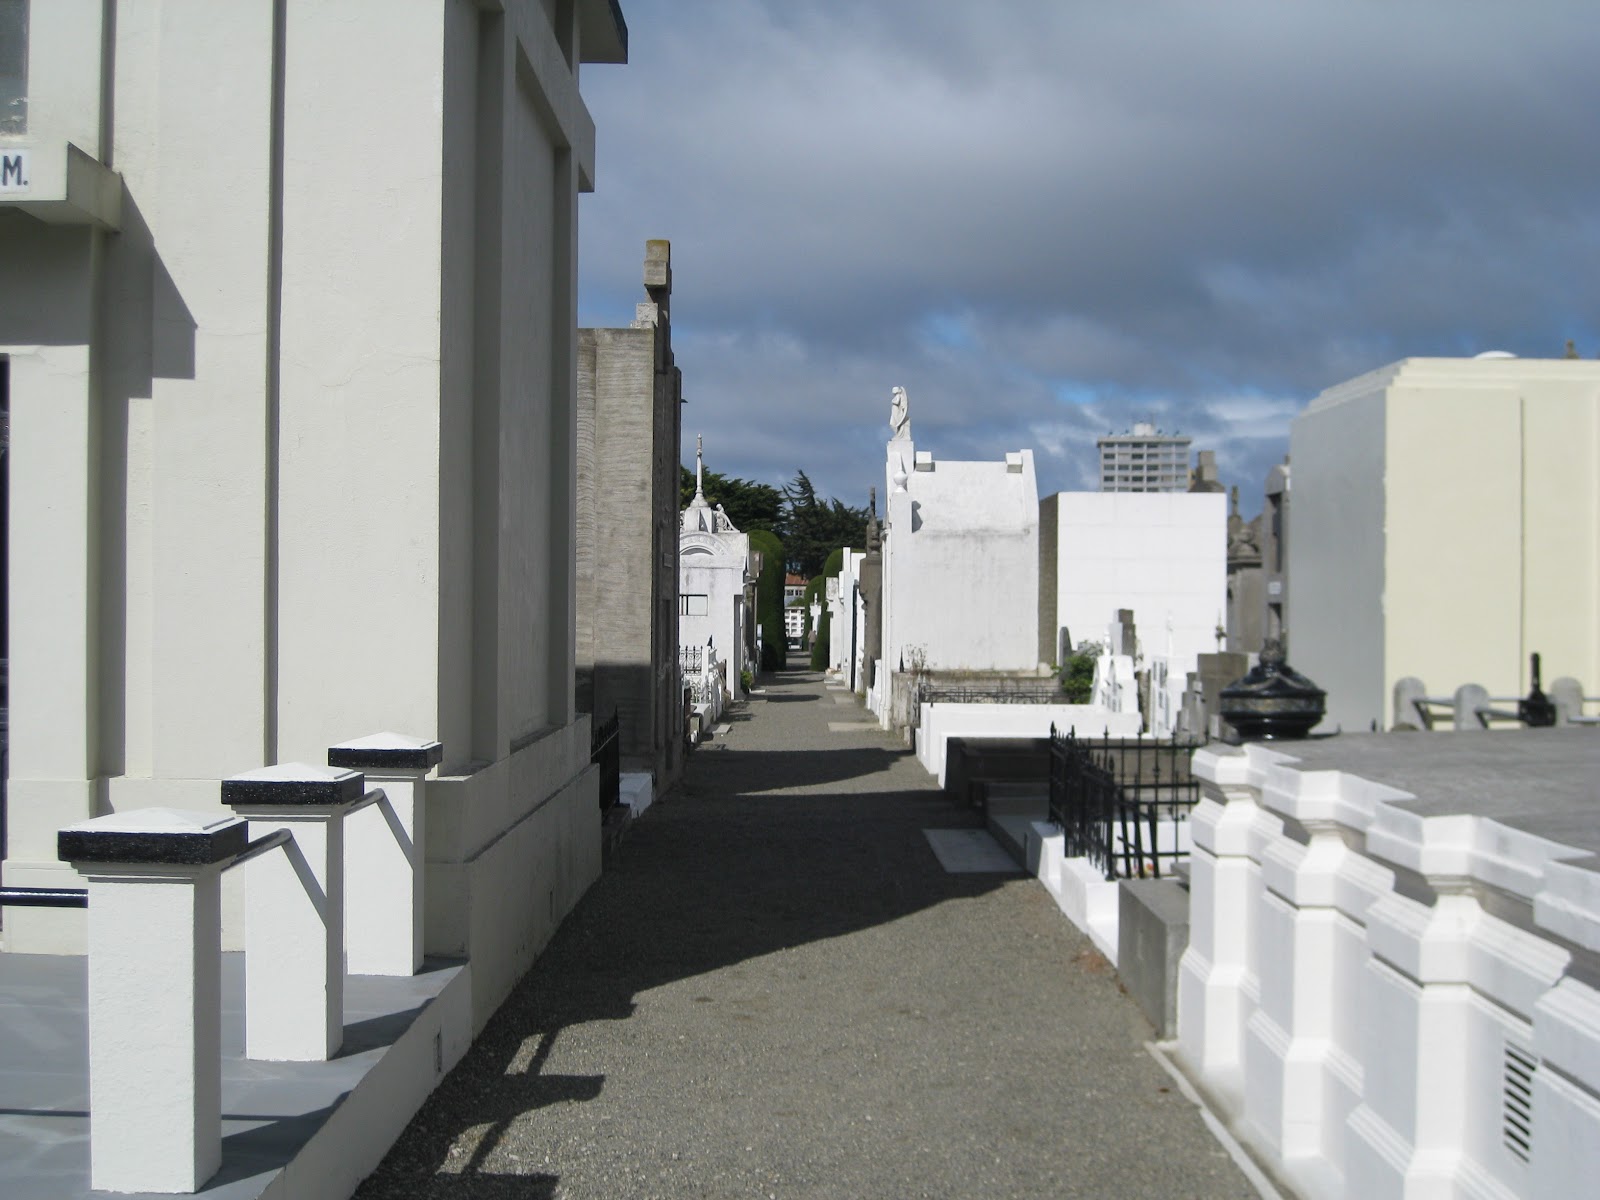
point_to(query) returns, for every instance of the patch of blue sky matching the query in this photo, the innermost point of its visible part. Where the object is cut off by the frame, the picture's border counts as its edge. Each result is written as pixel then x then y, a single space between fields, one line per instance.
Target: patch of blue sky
pixel 953 331
pixel 1075 392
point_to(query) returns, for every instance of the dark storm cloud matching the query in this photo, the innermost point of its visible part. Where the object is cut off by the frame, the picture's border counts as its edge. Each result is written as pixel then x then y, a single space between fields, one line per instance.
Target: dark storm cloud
pixel 1049 219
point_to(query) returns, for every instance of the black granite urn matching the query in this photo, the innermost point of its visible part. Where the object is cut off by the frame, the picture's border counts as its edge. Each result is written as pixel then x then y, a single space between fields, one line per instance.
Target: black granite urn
pixel 1273 700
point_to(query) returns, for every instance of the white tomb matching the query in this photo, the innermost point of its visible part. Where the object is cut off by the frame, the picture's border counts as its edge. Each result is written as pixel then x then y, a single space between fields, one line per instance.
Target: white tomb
pixel 714 569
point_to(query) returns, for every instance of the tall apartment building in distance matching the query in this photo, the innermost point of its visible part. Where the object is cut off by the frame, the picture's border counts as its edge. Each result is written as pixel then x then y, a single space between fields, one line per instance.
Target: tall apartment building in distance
pixel 1144 460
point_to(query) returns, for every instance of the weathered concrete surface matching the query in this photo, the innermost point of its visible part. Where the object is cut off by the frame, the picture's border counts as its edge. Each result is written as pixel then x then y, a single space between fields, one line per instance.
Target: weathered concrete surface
pixel 1152 934
pixel 777 992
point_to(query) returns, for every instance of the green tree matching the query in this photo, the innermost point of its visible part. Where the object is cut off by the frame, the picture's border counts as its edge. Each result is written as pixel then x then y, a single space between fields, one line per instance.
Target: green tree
pixel 813 528
pixel 769 598
pixel 748 505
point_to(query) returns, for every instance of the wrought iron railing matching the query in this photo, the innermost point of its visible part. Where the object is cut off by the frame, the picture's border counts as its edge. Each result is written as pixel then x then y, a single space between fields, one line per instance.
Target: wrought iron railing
pixel 1124 805
pixel 605 752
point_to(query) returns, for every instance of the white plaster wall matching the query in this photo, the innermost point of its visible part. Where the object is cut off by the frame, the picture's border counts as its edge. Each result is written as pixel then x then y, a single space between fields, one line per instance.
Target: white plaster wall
pixel 293 449
pixel 1446 526
pixel 939 722
pixel 846 614
pixel 1163 555
pixel 961 565
pixel 1337 552
pixel 720 578
pixel 358 525
pixel 193 378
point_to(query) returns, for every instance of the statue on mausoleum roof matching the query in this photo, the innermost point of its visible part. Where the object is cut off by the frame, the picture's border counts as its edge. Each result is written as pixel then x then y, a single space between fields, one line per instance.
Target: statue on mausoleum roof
pixel 900 414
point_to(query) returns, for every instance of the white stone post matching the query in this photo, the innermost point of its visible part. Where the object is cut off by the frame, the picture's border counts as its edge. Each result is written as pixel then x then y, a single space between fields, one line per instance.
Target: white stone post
pixel 1406 1135
pixel 385 846
pixel 155 993
pixel 1217 985
pixel 294 910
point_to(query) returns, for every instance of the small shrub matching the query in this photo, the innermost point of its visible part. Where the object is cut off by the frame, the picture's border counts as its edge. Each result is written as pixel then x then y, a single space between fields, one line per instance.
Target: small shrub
pixel 1077 679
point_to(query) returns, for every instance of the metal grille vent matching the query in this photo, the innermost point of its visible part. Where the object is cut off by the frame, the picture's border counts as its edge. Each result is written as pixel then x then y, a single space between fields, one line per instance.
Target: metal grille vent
pixel 1517 1106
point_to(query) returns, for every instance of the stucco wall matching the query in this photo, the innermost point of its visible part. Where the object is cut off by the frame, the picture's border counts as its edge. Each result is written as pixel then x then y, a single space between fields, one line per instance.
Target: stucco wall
pixel 1163 555
pixel 1336 551
pixel 720 578
pixel 961 565
pixel 292 450
pixel 1445 527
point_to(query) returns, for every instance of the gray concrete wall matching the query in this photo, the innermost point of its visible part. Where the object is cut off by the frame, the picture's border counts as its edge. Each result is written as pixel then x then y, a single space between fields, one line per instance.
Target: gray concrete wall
pixel 629 391
pixel 1152 934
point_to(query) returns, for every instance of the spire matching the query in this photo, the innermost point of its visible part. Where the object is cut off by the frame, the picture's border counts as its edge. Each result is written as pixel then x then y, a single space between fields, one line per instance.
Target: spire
pixel 874 538
pixel 698 517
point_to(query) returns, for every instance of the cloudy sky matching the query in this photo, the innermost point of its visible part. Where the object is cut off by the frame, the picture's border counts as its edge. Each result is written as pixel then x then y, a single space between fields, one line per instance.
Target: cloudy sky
pixel 1048 219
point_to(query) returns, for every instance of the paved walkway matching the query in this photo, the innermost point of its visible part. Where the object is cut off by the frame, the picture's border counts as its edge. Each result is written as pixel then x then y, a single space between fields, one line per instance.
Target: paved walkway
pixel 776 991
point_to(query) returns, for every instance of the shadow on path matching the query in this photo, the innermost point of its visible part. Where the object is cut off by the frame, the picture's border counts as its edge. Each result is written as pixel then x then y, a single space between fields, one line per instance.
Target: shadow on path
pixel 759 850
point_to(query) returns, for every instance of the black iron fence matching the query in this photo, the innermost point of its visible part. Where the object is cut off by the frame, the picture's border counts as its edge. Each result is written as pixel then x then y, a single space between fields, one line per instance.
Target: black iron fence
pixel 1123 804
pixel 605 752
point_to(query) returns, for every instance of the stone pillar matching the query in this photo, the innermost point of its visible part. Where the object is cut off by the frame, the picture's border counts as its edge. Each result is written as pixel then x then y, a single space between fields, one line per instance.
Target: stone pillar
pixel 294 910
pixel 1217 986
pixel 1566 694
pixel 155 993
pixel 1469 698
pixel 385 846
pixel 1405 1136
pixel 1302 1073
pixel 1410 696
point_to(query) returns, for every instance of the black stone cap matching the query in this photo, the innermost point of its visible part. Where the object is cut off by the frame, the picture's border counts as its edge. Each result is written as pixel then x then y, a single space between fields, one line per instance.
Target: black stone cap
pixel 294 785
pixel 158 836
pixel 386 752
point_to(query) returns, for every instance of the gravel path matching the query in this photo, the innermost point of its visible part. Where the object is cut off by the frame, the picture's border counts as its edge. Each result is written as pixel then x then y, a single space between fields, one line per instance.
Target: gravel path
pixel 775 991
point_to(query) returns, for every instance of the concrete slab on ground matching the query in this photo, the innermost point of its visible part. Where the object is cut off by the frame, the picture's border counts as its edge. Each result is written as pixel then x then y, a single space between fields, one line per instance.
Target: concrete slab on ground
pixel 969 851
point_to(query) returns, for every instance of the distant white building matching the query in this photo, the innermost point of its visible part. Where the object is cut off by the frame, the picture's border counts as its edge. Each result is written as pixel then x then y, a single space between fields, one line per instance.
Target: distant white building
pixel 714 570
pixel 794 620
pixel 1144 459
pixel 1164 557
pixel 1446 526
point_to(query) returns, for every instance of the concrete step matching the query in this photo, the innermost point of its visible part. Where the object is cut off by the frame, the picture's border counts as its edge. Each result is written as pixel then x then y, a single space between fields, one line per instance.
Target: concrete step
pixel 1017 798
pixel 1011 831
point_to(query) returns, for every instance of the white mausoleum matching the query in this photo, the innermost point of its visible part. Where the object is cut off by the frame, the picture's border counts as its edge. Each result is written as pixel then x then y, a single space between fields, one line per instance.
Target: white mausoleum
pixel 960 559
pixel 714 570
pixel 1446 526
pixel 291 373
